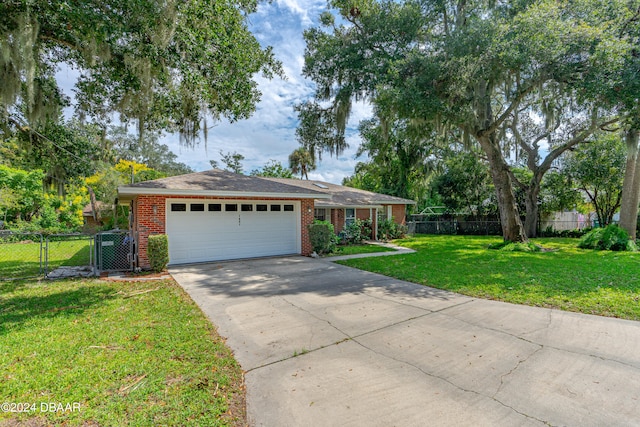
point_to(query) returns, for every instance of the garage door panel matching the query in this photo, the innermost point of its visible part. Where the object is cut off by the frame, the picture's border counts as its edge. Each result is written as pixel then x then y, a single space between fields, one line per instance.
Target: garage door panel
pixel 220 235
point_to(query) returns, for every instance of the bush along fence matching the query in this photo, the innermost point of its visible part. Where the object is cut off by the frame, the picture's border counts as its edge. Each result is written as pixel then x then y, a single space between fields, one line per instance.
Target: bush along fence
pixel 33 255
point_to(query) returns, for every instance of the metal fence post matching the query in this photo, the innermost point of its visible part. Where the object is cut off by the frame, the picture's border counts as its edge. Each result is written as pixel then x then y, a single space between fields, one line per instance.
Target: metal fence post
pixel 46 257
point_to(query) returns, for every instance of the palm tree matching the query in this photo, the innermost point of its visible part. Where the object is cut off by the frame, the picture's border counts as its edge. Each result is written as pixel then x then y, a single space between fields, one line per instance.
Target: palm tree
pixel 301 161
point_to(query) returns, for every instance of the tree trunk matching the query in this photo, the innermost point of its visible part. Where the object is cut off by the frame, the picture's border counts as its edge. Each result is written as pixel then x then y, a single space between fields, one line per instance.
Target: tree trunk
pixel 631 185
pixel 94 206
pixel 531 203
pixel 512 229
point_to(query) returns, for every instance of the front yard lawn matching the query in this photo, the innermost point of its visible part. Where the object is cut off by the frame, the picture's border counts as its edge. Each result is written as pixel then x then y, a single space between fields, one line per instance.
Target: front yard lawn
pixel 123 353
pixel 567 278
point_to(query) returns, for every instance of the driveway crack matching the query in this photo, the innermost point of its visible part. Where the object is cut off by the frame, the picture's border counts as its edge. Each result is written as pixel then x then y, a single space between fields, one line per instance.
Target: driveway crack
pixel 530 341
pixel 465 390
pixel 515 368
pixel 418 307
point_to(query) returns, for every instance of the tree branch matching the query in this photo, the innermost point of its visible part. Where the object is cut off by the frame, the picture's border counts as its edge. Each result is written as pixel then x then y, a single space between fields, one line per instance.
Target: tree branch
pixel 504 116
pixel 581 137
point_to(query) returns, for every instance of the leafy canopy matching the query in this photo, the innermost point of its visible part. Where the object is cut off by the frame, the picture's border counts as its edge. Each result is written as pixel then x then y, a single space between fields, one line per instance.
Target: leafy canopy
pixel 165 64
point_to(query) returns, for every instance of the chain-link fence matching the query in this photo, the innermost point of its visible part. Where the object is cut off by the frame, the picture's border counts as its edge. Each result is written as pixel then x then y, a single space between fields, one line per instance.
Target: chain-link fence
pixel 30 255
pixel 478 228
pixel 21 255
pixel 114 251
pixel 69 255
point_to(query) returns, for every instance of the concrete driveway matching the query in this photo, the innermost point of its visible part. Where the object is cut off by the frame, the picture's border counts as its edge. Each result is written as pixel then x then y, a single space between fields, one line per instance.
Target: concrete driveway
pixel 327 345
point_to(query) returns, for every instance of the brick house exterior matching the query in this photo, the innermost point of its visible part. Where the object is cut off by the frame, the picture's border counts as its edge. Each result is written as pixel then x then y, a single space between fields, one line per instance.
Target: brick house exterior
pixel 365 204
pixel 148 202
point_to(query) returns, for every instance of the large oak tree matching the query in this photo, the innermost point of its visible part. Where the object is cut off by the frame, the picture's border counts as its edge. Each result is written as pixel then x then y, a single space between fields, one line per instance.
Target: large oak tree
pixel 164 64
pixel 473 66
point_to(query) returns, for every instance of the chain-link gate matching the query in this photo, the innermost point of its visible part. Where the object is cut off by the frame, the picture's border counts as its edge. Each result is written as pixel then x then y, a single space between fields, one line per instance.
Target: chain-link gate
pixel 69 255
pixel 115 251
pixel 21 255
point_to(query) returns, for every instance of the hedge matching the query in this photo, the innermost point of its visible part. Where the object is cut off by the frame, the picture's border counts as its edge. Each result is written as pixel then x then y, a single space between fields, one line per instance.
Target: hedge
pixel 158 252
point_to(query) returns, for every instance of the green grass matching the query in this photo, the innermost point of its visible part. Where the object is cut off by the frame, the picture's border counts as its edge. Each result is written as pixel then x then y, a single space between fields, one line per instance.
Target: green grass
pixel 358 249
pixel 138 354
pixel 595 282
pixel 23 259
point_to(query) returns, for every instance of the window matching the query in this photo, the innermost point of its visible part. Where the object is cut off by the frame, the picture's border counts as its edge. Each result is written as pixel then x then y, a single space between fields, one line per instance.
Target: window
pixel 349 216
pixel 230 207
pixel 246 208
pixel 178 207
pixel 320 214
pixel 215 207
pixel 196 207
pixel 275 208
pixel 288 208
pixel 261 208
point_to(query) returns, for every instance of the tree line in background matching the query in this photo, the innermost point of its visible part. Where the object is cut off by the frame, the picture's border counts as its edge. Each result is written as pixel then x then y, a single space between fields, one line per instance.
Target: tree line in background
pixel 300 162
pixel 49 174
pixel 491 102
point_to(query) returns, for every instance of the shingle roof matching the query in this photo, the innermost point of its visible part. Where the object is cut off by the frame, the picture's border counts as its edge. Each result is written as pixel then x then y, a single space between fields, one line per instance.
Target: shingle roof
pixel 223 183
pixel 217 182
pixel 344 196
pixel 88 209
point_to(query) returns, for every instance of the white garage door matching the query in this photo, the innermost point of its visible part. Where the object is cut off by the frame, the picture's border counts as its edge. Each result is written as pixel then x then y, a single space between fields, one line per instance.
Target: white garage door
pixel 212 230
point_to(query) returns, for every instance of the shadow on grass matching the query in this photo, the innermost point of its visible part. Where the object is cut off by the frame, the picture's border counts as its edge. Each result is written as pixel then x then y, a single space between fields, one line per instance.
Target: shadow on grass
pixel 19 269
pixel 18 263
pixel 19 309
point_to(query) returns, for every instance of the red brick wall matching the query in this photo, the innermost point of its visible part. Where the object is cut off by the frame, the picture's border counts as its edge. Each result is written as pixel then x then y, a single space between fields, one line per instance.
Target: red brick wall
pixel 362 213
pixel 306 206
pixel 337 219
pixel 146 222
pixel 399 213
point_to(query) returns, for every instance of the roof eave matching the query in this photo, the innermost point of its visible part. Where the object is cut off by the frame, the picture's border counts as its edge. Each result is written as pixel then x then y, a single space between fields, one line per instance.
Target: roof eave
pixel 347 206
pixel 396 202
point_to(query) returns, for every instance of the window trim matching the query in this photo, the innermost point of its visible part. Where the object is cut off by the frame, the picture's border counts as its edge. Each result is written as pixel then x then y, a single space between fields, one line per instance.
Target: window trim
pixel 316 214
pixel 348 220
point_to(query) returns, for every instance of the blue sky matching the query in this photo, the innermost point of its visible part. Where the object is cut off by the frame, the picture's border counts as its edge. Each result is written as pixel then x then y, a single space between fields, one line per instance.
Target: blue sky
pixel 270 132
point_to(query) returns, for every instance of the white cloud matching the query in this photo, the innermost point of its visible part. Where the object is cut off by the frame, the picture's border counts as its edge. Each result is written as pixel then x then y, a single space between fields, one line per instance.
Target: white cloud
pixel 308 11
